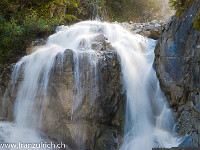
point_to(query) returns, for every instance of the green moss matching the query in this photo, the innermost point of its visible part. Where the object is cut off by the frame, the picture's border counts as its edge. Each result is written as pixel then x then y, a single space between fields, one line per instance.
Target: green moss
pixel 196 21
pixel 180 5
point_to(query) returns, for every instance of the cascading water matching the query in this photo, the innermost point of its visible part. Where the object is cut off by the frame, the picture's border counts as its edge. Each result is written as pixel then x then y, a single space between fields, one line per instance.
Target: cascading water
pixel 149 121
pixel 148 118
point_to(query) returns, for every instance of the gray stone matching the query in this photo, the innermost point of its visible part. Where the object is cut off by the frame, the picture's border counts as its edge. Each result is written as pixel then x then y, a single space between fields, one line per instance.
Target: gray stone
pixel 151 29
pixel 98 119
pixel 178 68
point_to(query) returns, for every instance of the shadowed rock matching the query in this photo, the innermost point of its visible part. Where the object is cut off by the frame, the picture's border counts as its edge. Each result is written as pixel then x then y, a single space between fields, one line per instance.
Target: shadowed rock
pixel 178 68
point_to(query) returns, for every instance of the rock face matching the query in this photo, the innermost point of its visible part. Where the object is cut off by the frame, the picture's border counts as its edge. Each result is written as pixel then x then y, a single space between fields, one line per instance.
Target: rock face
pixel 6 106
pixel 96 120
pixel 177 63
pixel 89 115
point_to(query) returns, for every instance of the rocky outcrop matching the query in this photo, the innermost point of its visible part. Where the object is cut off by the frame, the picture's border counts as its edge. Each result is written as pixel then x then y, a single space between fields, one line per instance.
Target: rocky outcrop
pixel 89 114
pixel 151 29
pixel 177 63
pixel 95 119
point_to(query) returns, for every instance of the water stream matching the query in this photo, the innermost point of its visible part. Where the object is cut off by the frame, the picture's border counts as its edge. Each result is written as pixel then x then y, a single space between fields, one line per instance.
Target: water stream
pixel 149 121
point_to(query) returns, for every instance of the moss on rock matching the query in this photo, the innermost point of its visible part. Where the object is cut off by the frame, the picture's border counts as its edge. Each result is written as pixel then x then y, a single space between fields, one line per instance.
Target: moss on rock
pixel 196 21
pixel 180 5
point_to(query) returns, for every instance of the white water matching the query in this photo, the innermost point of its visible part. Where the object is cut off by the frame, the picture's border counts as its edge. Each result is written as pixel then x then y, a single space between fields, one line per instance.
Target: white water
pixel 149 121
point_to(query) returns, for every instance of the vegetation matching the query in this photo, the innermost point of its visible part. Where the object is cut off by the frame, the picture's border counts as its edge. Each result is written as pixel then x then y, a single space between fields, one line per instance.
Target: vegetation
pixel 134 10
pixel 180 5
pixel 22 21
pixel 14 37
pixel 196 21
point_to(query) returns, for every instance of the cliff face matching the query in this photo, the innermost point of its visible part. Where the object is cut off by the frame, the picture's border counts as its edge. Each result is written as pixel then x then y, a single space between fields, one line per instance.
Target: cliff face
pixel 177 63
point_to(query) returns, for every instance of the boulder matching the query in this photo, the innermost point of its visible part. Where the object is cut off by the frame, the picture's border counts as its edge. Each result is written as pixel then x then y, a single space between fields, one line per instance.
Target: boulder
pixel 96 119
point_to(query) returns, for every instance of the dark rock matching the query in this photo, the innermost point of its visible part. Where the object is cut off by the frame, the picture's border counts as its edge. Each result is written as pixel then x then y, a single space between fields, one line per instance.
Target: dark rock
pixel 6 100
pixel 178 68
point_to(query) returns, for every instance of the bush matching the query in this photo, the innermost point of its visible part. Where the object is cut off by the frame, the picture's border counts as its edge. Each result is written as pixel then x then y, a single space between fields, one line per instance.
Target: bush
pixel 14 38
pixel 10 39
pixel 23 21
pixel 34 25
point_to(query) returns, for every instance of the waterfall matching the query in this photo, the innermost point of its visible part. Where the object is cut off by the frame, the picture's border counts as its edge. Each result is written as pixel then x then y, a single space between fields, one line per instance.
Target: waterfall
pixel 149 120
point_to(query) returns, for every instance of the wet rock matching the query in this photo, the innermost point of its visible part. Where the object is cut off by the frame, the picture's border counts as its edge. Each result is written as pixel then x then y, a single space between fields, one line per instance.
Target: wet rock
pixel 101 43
pixel 35 44
pixel 100 38
pixel 97 46
pixel 99 115
pixel 6 100
pixel 178 68
pixel 89 115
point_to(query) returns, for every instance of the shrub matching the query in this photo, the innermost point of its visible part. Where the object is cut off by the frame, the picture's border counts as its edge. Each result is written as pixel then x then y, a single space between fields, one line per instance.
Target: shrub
pixel 22 21
pixel 14 37
pixel 10 39
pixel 35 25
